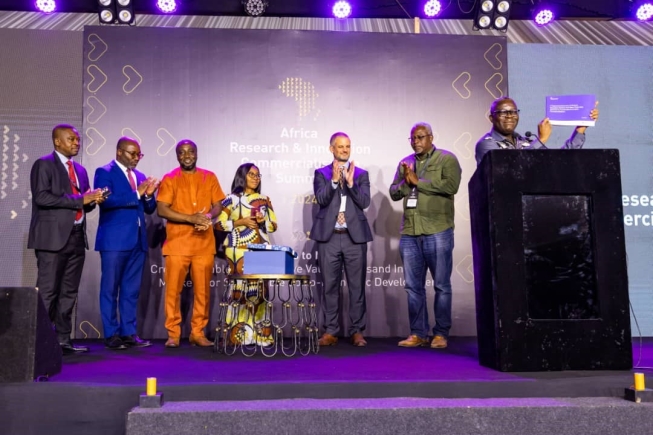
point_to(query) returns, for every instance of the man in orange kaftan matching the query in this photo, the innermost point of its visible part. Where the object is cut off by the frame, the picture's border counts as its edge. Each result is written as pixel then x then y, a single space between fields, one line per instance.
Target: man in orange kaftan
pixel 189 198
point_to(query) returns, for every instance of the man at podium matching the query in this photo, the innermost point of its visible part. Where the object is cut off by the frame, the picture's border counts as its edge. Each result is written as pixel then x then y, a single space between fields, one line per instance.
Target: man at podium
pixel 504 116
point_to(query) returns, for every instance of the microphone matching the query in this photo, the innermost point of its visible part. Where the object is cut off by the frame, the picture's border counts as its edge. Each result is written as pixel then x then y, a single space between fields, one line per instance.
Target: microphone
pixel 530 135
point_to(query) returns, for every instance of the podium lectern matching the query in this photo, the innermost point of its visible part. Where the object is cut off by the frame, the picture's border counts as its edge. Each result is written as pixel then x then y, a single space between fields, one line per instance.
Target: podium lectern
pixel 550 261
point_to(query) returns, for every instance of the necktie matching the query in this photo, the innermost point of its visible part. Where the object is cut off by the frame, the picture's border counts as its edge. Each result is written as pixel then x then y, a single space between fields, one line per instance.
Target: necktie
pixel 132 183
pixel 73 185
pixel 341 215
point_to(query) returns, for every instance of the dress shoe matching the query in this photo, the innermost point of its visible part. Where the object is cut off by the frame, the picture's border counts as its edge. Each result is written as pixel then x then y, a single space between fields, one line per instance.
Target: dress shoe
pixel 358 340
pixel 172 343
pixel 201 341
pixel 114 343
pixel 327 340
pixel 413 341
pixel 135 341
pixel 68 348
pixel 439 342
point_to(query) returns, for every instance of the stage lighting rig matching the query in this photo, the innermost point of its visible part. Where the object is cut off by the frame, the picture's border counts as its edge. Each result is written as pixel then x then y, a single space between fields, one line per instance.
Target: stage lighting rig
pixel 491 14
pixel 116 11
pixel 255 8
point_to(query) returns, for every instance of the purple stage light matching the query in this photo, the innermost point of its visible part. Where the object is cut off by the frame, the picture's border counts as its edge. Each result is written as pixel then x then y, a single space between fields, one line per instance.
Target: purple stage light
pixel 46 6
pixel 432 8
pixel 644 11
pixel 544 17
pixel 342 9
pixel 166 6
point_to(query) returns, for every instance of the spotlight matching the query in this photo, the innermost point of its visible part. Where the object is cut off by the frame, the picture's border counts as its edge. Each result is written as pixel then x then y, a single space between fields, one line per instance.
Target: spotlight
pixel 543 13
pixel 492 15
pixel 46 6
pixel 166 6
pixel 342 9
pixel 106 11
pixel 255 8
pixel 544 17
pixel 125 11
pixel 644 11
pixel 432 8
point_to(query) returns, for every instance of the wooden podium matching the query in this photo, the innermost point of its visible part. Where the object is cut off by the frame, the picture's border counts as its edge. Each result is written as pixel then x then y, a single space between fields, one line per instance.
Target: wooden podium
pixel 550 261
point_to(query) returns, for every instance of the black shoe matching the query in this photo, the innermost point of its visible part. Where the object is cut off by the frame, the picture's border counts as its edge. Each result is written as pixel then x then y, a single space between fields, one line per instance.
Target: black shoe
pixel 68 348
pixel 135 341
pixel 114 343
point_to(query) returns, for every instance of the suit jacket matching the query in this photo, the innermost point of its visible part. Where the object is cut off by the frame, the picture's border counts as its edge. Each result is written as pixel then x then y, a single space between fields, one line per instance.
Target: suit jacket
pixel 358 199
pixel 122 211
pixel 54 205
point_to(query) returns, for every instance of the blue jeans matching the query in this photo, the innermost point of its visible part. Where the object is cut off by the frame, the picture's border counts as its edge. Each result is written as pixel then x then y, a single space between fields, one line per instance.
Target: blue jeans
pixel 435 253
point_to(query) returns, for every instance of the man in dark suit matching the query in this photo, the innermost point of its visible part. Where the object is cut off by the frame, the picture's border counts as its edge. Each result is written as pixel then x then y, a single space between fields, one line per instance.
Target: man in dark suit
pixel 122 242
pixel 341 231
pixel 61 197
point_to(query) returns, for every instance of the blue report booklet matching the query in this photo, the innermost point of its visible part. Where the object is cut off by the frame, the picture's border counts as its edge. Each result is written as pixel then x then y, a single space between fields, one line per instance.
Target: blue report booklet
pixel 570 109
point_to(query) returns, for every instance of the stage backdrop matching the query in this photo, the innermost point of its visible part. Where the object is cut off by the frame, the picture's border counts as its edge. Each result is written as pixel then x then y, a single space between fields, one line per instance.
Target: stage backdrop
pixel 274 98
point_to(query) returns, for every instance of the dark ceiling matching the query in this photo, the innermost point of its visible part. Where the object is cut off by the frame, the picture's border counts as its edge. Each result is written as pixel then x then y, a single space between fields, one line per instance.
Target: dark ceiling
pixel 453 9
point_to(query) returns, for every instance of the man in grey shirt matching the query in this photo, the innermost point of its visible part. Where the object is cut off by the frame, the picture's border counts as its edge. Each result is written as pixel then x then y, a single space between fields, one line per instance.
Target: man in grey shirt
pixel 504 117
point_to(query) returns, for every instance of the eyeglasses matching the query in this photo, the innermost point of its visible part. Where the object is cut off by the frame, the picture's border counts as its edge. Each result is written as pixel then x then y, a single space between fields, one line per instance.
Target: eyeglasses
pixel 418 138
pixel 253 175
pixel 134 154
pixel 506 113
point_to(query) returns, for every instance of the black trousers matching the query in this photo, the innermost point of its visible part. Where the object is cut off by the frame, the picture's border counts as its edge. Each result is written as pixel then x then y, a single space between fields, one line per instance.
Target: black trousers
pixel 59 274
pixel 338 253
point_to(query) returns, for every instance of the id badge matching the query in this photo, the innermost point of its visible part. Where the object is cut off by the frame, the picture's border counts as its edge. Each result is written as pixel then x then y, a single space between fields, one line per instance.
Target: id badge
pixel 411 202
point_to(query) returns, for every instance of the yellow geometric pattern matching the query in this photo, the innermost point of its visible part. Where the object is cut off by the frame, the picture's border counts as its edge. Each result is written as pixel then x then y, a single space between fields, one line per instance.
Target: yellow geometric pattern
pixel 460 85
pixel 128 132
pixel 95 141
pixel 99 47
pixel 463 146
pixel 98 109
pixel 465 269
pixel 168 141
pixel 303 92
pixel 88 329
pixel 491 56
pixel 133 79
pixel 98 78
pixel 492 85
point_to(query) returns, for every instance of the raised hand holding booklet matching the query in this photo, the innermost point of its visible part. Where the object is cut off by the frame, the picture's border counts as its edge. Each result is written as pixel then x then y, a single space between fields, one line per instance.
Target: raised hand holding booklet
pixel 570 109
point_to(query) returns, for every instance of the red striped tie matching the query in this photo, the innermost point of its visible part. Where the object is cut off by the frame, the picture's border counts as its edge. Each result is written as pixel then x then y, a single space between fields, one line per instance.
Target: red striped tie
pixel 73 185
pixel 132 183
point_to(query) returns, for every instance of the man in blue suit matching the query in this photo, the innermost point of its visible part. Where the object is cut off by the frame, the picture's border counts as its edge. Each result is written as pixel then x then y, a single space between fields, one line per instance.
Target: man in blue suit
pixel 341 231
pixel 122 242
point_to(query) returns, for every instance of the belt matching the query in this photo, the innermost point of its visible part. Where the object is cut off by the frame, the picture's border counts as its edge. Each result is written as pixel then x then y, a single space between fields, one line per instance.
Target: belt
pixel 340 231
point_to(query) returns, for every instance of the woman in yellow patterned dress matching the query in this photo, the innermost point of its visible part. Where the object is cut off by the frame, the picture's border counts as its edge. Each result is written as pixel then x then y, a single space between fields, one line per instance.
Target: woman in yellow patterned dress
pixel 248 217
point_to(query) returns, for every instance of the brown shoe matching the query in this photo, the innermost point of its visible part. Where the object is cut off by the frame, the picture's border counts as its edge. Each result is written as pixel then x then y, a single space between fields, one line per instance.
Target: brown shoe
pixel 172 342
pixel 439 342
pixel 327 340
pixel 201 341
pixel 413 341
pixel 358 340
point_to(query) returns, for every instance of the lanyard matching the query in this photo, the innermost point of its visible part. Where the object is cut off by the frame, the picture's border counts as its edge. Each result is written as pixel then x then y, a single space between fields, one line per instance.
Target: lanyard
pixel 426 163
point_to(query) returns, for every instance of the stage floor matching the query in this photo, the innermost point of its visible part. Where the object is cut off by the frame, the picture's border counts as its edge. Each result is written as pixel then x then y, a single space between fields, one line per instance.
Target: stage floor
pixel 94 391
